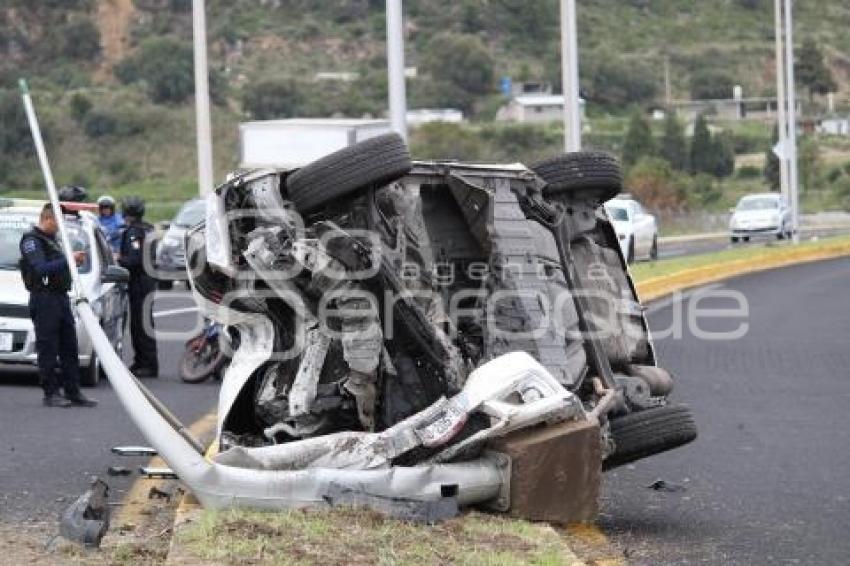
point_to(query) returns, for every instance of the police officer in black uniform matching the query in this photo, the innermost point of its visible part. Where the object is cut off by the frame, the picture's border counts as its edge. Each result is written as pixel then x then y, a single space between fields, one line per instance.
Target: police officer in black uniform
pixel 136 235
pixel 48 279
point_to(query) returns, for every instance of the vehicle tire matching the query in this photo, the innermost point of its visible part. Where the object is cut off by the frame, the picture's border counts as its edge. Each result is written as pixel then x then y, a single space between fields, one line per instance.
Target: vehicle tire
pixel 90 375
pixel 198 367
pixel 653 251
pixel 584 172
pixel 165 284
pixel 644 433
pixel 746 238
pixel 734 239
pixel 373 162
pixel 630 253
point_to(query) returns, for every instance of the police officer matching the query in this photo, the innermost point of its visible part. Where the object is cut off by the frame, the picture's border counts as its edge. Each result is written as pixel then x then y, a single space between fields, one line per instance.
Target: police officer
pixel 48 279
pixel 136 235
pixel 110 221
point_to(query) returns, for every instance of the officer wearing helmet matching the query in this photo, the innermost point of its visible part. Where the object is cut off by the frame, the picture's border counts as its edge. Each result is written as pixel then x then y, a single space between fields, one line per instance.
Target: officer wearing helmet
pixel 111 221
pixel 134 247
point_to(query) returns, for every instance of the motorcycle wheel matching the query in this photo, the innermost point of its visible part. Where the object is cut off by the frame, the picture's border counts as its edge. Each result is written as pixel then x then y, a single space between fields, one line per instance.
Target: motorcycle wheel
pixel 198 365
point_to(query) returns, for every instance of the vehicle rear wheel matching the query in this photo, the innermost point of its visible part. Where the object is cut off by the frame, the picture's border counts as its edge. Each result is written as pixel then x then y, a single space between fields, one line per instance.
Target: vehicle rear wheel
pixel 734 239
pixel 593 173
pixel 90 375
pixel 746 238
pixel 653 251
pixel 373 162
pixel 644 433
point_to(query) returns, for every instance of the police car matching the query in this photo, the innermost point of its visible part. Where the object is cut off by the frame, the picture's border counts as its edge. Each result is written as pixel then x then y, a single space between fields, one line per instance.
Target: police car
pixel 104 280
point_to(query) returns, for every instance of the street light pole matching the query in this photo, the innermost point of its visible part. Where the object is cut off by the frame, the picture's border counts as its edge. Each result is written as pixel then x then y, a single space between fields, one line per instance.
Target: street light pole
pixel 569 76
pixel 790 91
pixel 781 116
pixel 395 68
pixel 202 99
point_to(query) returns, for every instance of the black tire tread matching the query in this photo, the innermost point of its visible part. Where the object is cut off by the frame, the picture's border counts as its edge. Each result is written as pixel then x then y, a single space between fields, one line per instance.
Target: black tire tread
pixel 585 171
pixel 645 433
pixel 372 162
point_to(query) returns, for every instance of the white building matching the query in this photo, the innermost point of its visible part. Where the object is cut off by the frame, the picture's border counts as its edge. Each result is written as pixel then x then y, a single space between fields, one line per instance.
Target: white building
pixel 419 116
pixel 535 109
pixel 835 126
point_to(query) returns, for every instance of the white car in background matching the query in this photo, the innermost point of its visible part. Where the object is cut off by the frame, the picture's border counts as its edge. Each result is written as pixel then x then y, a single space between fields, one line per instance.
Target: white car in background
pixel 104 281
pixel 637 230
pixel 764 214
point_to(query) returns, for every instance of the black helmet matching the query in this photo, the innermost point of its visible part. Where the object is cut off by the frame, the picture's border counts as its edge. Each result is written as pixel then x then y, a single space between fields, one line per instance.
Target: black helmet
pixel 71 193
pixel 133 206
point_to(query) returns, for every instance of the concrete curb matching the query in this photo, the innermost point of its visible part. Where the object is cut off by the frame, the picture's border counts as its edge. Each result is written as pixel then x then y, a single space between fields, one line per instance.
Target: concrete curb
pixel 656 288
pixel 648 290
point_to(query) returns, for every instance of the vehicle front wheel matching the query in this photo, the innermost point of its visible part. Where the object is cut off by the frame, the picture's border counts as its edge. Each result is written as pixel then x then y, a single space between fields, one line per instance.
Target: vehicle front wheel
pixel 90 375
pixel 653 251
pixel 630 253
pixel 652 431
pixel 593 173
pixel 734 239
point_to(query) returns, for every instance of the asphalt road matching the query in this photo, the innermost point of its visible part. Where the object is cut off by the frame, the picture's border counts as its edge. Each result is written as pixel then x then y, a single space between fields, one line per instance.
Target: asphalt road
pixel 47 455
pixel 767 480
pixel 677 248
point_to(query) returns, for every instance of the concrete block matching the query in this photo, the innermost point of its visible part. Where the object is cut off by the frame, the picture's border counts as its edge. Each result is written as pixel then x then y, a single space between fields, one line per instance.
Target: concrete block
pixel 556 471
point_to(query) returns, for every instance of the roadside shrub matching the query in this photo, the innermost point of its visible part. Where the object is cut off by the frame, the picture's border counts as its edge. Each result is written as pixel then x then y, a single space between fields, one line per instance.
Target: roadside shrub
pixel 749 172
pixel 445 141
pixel 164 65
pixel 272 98
pixel 705 191
pixel 80 39
pixel 101 123
pixel 653 182
pixel 711 84
pixel 80 107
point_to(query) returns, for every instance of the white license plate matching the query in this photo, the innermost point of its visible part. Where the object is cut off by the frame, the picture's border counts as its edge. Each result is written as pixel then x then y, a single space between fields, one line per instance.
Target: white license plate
pixel 5 341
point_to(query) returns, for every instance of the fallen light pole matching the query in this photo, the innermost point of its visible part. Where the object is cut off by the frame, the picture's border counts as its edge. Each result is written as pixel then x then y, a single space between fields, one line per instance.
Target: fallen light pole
pixel 202 98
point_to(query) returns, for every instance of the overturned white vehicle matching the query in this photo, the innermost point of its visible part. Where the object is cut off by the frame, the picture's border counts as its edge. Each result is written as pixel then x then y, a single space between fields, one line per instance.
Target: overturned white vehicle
pixel 398 323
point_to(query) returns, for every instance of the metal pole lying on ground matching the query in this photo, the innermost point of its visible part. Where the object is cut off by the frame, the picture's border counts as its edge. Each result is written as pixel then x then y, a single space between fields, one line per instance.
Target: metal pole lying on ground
pixel 781 114
pixel 395 68
pixel 790 91
pixel 104 349
pixel 51 187
pixel 202 98
pixel 569 76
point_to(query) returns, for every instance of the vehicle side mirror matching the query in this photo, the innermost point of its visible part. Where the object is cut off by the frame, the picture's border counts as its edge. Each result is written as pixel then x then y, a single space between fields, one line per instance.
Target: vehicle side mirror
pixel 115 274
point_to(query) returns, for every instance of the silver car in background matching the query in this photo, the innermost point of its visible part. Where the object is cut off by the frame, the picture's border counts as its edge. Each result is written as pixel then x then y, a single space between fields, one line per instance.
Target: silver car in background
pixel 171 252
pixel 763 214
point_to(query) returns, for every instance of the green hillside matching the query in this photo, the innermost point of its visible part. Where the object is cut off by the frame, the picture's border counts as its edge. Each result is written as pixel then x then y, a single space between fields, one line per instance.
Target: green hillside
pixel 112 79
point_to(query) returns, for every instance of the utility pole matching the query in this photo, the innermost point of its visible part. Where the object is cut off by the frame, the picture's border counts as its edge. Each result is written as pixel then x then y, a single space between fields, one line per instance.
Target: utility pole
pixel 395 68
pixel 781 115
pixel 790 92
pixel 668 86
pixel 569 76
pixel 202 98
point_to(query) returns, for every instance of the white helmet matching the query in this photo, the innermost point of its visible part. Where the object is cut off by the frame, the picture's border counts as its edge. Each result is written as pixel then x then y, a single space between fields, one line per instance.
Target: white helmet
pixel 106 200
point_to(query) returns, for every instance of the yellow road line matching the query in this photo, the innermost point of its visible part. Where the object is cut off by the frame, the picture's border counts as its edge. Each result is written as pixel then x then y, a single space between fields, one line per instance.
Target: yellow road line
pixel 136 502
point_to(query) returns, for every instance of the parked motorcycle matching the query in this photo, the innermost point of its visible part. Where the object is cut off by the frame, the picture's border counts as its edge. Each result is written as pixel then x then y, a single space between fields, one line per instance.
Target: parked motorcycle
pixel 205 354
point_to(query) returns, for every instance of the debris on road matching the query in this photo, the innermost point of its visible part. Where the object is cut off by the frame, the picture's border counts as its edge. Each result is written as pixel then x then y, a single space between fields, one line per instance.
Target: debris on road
pixel 119 471
pixel 669 487
pixel 87 519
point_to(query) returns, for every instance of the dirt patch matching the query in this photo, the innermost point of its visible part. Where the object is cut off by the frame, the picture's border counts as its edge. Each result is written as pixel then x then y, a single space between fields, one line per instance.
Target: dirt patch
pixel 114 18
